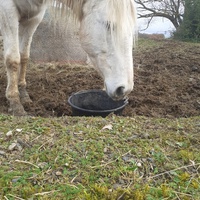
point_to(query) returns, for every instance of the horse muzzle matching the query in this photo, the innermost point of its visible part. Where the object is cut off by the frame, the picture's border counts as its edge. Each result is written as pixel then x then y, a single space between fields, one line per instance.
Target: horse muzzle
pixel 120 93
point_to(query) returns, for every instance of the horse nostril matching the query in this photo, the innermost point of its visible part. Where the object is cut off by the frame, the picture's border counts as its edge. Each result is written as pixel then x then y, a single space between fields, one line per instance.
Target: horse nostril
pixel 120 91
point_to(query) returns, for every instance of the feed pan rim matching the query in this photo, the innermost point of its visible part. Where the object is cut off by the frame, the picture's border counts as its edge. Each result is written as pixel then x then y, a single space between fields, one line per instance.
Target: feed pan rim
pixel 125 102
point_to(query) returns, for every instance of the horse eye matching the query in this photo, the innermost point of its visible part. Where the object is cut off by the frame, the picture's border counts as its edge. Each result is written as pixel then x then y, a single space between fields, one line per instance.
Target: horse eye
pixel 108 26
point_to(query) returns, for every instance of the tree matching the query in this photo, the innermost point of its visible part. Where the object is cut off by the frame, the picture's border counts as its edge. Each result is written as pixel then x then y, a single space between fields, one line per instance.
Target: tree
pixel 184 15
pixel 173 10
pixel 190 28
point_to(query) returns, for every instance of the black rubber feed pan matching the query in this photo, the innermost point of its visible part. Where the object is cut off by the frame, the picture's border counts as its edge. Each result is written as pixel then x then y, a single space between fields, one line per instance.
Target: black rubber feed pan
pixel 95 103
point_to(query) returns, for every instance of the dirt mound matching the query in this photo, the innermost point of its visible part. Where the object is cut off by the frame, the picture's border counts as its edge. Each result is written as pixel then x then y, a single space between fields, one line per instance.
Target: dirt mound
pixel 167 83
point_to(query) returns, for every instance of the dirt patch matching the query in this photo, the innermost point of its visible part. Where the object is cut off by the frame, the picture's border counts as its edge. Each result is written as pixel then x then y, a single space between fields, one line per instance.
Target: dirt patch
pixel 167 83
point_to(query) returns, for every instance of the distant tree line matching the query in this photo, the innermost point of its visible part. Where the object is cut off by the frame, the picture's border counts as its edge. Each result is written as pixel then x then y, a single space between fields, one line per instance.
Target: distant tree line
pixel 190 27
pixel 183 14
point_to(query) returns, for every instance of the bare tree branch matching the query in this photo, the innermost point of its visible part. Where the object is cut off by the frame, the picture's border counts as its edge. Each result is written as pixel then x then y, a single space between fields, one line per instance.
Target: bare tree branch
pixel 171 9
pixel 148 23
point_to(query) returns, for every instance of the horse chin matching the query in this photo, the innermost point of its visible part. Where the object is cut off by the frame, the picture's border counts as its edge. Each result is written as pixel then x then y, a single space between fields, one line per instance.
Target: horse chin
pixel 115 97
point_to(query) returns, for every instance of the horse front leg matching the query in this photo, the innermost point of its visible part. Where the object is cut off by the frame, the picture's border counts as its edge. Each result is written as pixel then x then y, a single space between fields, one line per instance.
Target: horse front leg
pixel 24 96
pixel 12 93
pixel 26 31
pixel 9 29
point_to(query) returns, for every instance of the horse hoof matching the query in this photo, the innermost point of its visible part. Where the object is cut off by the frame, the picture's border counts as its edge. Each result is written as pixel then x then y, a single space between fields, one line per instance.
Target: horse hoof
pixel 25 100
pixel 17 110
pixel 24 96
pixel 18 113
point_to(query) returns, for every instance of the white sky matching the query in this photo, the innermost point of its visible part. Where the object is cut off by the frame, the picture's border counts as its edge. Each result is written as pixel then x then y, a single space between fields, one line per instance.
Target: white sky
pixel 158 25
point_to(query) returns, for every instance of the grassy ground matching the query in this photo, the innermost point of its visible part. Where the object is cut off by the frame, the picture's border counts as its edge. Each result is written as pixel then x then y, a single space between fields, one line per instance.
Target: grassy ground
pixel 95 158
pixel 116 158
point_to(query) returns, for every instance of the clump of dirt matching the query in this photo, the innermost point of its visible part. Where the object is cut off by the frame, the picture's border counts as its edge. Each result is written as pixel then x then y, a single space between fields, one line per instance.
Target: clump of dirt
pixel 167 83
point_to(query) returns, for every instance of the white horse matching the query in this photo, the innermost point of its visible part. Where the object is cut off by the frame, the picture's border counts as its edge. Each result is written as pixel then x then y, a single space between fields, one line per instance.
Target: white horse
pixel 106 34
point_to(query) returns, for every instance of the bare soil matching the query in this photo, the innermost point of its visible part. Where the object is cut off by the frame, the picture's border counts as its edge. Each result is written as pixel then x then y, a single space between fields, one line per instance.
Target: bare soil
pixel 167 83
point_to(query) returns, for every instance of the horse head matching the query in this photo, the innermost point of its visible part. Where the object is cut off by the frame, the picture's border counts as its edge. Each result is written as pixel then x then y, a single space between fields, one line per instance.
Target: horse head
pixel 107 37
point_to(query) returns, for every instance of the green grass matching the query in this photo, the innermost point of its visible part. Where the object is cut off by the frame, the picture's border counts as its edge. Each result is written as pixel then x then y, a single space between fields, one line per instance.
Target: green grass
pixel 79 158
pixel 144 44
pixel 101 159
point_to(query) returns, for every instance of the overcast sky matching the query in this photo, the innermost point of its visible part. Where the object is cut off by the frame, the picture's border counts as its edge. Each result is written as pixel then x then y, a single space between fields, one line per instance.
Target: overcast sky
pixel 158 25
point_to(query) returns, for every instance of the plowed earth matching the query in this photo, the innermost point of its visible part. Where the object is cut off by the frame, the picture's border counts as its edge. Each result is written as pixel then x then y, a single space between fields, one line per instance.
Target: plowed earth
pixel 167 83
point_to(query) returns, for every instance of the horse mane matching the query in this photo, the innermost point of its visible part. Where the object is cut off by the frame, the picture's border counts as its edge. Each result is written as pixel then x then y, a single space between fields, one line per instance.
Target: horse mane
pixel 64 6
pixel 121 14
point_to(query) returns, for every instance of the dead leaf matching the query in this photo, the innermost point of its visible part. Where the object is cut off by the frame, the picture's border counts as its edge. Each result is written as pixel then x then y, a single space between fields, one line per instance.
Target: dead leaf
pixel 12 147
pixel 9 133
pixel 107 127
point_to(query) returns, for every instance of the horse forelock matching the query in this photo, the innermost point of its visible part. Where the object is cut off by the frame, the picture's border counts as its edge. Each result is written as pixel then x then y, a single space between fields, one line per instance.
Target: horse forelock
pixel 122 17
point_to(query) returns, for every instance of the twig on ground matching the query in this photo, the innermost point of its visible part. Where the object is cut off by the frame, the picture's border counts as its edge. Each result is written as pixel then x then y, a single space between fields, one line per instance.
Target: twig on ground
pixel 15 197
pixel 46 193
pixel 108 163
pixel 48 141
pixel 181 193
pixel 26 162
pixel 167 172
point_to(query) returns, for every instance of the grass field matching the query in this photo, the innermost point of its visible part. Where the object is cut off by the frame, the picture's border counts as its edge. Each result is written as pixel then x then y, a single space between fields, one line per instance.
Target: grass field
pixel 113 158
pixel 95 158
